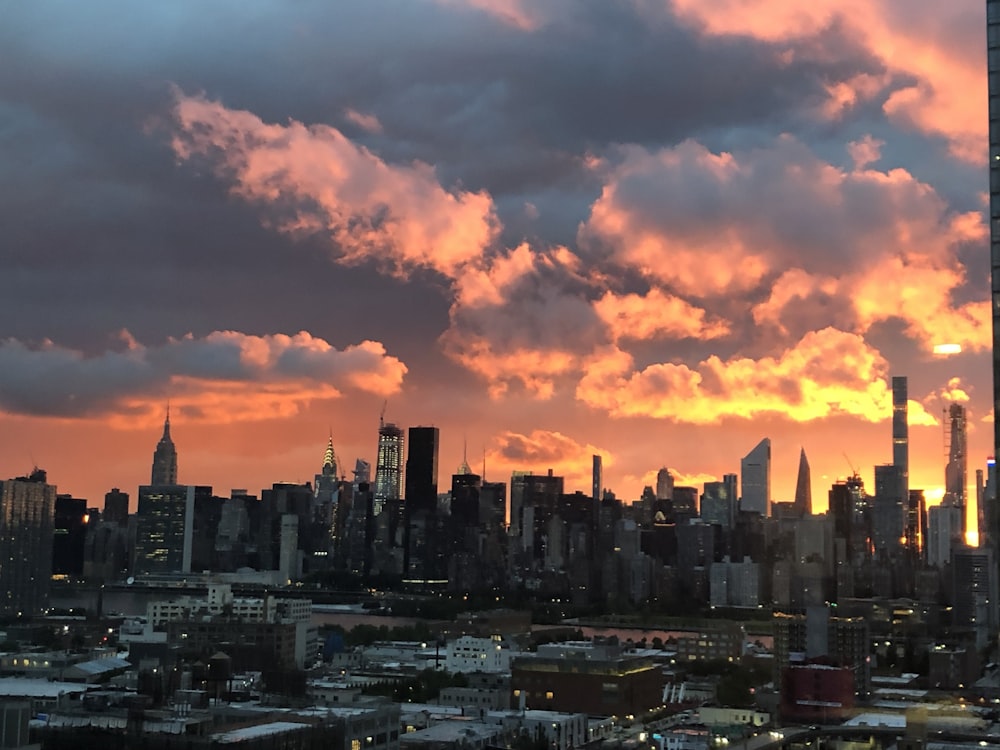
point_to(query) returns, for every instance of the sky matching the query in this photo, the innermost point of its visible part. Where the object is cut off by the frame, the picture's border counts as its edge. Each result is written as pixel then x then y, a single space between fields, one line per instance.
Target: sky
pixel 654 230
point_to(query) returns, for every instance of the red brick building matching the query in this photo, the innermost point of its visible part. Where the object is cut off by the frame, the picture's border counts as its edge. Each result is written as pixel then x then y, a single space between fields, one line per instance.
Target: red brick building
pixel 816 693
pixel 600 680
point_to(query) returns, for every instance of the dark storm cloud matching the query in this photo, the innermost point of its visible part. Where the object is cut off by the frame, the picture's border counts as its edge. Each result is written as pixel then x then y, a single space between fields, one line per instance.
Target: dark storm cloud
pixel 50 380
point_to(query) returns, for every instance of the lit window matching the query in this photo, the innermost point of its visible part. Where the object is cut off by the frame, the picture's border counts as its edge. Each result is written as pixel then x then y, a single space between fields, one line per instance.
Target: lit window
pixel 548 694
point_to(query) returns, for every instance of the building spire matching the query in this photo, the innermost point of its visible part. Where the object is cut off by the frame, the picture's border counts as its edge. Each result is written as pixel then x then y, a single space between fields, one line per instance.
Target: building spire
pixel 329 458
pixel 803 485
pixel 164 471
pixel 464 466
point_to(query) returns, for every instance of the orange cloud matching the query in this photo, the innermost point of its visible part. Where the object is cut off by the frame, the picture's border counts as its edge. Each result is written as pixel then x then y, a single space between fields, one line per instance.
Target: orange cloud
pixel 936 58
pixel 865 151
pixel 521 14
pixel 656 315
pixel 366 122
pixel 827 373
pixel 542 450
pixel 221 378
pixel 832 247
pixel 522 318
pixel 314 180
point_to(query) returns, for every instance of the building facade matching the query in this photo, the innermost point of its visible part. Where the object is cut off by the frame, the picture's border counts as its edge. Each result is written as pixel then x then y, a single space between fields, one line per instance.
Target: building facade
pixel 27 513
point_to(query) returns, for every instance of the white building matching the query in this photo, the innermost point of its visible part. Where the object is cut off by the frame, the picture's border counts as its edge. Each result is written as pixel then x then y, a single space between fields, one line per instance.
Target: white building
pixel 473 654
pixel 560 731
pixel 220 601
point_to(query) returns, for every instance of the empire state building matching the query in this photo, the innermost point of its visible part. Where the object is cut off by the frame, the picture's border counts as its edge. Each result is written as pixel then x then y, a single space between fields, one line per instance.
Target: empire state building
pixel 165 458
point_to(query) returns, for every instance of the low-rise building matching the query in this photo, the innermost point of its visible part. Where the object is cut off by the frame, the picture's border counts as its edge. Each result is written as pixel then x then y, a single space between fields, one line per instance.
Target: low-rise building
pixel 475 654
pixel 601 680
pixel 477 699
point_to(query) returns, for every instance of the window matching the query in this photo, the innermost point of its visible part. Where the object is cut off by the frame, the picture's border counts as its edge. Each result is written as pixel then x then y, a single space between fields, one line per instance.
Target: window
pixel 548 694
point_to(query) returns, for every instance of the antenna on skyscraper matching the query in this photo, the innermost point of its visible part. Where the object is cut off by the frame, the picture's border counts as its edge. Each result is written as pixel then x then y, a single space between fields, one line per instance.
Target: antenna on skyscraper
pixel 381 416
pixel 484 463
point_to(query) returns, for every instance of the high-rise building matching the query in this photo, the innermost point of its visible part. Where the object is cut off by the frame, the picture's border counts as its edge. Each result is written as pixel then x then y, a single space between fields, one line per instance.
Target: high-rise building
pixel 164 529
pixel 975 592
pixel 900 434
pixel 362 471
pixel 27 512
pixel 424 549
pixel 493 506
pixel 803 486
pixel 685 503
pixel 326 489
pixel 915 529
pixel 388 465
pixel 888 511
pixel 164 458
pixel 664 484
pixel 944 531
pixel 718 502
pixel 70 535
pixel 422 469
pixel 115 507
pixel 993 78
pixel 755 476
pixel 956 471
pixel 597 478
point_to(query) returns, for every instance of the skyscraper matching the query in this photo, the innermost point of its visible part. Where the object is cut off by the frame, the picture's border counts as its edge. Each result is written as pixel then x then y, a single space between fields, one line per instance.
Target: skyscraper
pixel 956 471
pixel 888 511
pixel 388 465
pixel 27 511
pixel 993 68
pixel 664 484
pixel 422 469
pixel 755 480
pixel 900 435
pixel 803 486
pixel 116 507
pixel 597 480
pixel 164 458
pixel 164 529
pixel 326 488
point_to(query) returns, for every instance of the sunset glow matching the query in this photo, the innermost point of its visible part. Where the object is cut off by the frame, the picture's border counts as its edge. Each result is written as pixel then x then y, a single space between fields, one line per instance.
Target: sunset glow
pixel 657 232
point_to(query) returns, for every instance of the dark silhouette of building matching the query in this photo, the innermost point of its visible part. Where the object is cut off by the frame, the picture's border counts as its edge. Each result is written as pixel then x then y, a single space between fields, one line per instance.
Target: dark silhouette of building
pixel 993 77
pixel 957 470
pixel 164 471
pixel 803 486
pixel 27 511
pixel 115 507
pixel 888 512
pixel 421 469
pixel 900 434
pixel 425 543
pixel 69 535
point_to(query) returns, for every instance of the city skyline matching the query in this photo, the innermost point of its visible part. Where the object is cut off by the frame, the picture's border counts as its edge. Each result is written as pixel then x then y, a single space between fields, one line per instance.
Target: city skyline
pixel 650 232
